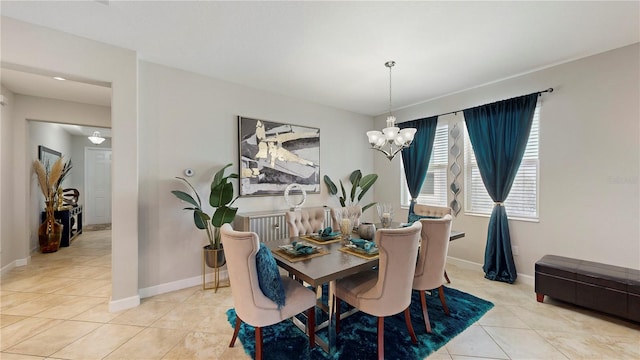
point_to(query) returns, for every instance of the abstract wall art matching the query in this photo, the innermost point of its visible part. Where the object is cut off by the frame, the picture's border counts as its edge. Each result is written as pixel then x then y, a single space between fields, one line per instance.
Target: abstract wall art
pixel 274 155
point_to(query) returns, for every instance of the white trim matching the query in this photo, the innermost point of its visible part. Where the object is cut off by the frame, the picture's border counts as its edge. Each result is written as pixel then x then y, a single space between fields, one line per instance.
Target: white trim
pixel 469 265
pixel 465 264
pixel 180 284
pixel 124 304
pixel 14 264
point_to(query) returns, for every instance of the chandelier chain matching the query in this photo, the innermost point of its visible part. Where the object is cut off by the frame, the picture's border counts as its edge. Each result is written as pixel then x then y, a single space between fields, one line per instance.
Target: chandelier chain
pixel 390 64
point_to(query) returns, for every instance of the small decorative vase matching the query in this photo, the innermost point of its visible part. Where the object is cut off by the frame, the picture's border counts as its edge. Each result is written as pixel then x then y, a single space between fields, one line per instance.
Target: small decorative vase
pixel 367 231
pixel 50 231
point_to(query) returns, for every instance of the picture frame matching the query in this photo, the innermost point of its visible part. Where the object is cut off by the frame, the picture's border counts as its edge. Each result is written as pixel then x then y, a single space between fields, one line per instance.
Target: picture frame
pixel 274 155
pixel 48 156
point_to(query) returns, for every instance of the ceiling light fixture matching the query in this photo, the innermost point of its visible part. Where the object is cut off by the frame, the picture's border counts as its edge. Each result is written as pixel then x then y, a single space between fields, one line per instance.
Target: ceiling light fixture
pixel 96 138
pixel 391 139
pixel 59 78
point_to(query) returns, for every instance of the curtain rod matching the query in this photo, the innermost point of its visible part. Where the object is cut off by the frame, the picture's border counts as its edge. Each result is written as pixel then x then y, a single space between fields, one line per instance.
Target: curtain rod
pixel 549 90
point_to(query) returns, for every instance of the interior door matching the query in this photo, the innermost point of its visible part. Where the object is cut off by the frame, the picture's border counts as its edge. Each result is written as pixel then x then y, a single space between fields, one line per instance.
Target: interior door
pixel 97 186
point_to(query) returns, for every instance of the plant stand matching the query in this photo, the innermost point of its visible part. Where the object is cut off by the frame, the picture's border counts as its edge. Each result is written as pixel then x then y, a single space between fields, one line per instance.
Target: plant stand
pixel 216 272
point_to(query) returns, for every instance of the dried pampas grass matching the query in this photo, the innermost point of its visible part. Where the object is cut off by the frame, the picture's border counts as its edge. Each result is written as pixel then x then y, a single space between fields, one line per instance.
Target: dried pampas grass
pixel 51 179
pixel 43 179
pixel 56 172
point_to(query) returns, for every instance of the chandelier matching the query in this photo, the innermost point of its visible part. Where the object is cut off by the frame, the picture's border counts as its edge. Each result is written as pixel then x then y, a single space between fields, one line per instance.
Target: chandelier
pixel 391 139
pixel 96 138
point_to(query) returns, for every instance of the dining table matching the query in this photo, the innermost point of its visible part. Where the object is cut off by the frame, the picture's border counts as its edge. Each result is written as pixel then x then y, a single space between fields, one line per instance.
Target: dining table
pixel 328 265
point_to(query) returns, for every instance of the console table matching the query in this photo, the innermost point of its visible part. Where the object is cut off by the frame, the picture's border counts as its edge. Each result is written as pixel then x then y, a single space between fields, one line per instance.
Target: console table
pixel 71 219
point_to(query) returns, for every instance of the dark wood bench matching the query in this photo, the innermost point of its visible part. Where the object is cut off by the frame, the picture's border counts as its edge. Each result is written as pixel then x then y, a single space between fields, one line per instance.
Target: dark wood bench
pixel 611 289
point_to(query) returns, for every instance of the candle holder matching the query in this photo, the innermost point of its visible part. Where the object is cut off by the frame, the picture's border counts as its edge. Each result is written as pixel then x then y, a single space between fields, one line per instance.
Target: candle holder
pixel 385 213
pixel 345 229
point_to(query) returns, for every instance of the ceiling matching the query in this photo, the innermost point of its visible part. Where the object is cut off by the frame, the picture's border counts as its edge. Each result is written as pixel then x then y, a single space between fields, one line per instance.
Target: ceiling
pixel 333 53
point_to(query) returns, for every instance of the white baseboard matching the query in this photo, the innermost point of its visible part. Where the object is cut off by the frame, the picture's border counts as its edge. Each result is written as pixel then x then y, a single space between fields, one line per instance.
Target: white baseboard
pixel 470 265
pixel 180 284
pixel 19 262
pixel 465 264
pixel 124 304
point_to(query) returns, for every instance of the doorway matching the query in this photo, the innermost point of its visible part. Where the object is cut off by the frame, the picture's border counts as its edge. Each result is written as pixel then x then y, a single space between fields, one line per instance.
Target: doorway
pixel 97 179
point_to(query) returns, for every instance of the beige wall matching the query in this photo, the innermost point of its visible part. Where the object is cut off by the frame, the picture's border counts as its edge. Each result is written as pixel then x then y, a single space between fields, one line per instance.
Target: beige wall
pixel 589 162
pixel 190 121
pixel 9 256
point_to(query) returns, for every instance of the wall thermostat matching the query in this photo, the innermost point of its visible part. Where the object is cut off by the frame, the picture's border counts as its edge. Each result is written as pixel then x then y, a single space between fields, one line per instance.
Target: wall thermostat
pixel 188 172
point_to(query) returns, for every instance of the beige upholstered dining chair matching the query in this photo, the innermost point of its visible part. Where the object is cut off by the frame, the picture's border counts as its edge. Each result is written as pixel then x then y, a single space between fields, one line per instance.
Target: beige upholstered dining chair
pixel 387 290
pixel 354 212
pixel 251 304
pixel 429 210
pixel 305 221
pixel 433 211
pixel 431 261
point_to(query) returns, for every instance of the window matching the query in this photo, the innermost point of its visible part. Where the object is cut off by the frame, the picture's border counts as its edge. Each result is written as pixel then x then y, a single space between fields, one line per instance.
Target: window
pixel 523 198
pixel 434 188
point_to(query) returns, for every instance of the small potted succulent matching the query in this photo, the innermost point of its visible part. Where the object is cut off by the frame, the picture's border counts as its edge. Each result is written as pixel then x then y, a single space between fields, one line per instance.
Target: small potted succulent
pixel 220 198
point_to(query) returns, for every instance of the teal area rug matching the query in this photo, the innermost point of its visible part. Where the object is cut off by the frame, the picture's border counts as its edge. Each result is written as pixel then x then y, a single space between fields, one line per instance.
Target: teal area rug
pixel 358 334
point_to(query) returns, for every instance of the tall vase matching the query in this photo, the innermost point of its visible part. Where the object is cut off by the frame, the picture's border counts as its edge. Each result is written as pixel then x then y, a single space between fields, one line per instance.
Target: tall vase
pixel 50 231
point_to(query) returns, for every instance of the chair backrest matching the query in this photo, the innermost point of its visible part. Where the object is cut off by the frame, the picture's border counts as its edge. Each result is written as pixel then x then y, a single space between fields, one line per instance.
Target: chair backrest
pixel 433 253
pixel 305 221
pixel 398 252
pixel 428 210
pixel 240 249
pixel 353 211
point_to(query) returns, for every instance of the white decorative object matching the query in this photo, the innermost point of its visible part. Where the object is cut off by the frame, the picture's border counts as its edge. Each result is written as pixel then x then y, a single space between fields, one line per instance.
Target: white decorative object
pixel 294 186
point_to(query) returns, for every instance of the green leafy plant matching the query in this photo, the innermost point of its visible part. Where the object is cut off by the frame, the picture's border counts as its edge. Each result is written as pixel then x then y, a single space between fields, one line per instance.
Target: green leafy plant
pixel 220 197
pixel 359 186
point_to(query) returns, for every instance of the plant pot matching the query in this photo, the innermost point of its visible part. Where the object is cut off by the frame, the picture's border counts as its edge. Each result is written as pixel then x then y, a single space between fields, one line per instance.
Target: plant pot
pixel 214 258
pixel 50 234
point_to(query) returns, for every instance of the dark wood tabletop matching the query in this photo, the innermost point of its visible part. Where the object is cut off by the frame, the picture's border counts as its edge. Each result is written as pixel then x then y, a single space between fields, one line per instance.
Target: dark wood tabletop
pixel 322 269
pixel 334 265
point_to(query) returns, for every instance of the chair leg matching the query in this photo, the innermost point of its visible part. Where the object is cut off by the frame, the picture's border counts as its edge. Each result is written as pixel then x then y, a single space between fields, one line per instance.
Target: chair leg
pixel 311 326
pixel 258 343
pixel 380 338
pixel 337 310
pixel 425 314
pixel 407 319
pixel 447 277
pixel 235 331
pixel 443 300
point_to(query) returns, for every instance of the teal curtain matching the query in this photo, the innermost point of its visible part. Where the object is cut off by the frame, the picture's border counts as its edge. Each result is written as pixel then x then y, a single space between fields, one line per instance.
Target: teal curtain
pixel 416 157
pixel 499 133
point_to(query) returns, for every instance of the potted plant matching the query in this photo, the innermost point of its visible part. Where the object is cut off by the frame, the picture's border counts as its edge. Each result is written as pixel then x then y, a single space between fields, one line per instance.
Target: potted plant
pixel 50 179
pixel 359 186
pixel 220 198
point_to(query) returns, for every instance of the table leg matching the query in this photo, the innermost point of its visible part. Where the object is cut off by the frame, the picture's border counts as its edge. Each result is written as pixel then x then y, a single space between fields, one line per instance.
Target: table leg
pixel 331 330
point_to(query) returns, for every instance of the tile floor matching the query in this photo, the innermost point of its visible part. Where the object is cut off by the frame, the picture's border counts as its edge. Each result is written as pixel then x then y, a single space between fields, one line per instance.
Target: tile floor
pixel 57 308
